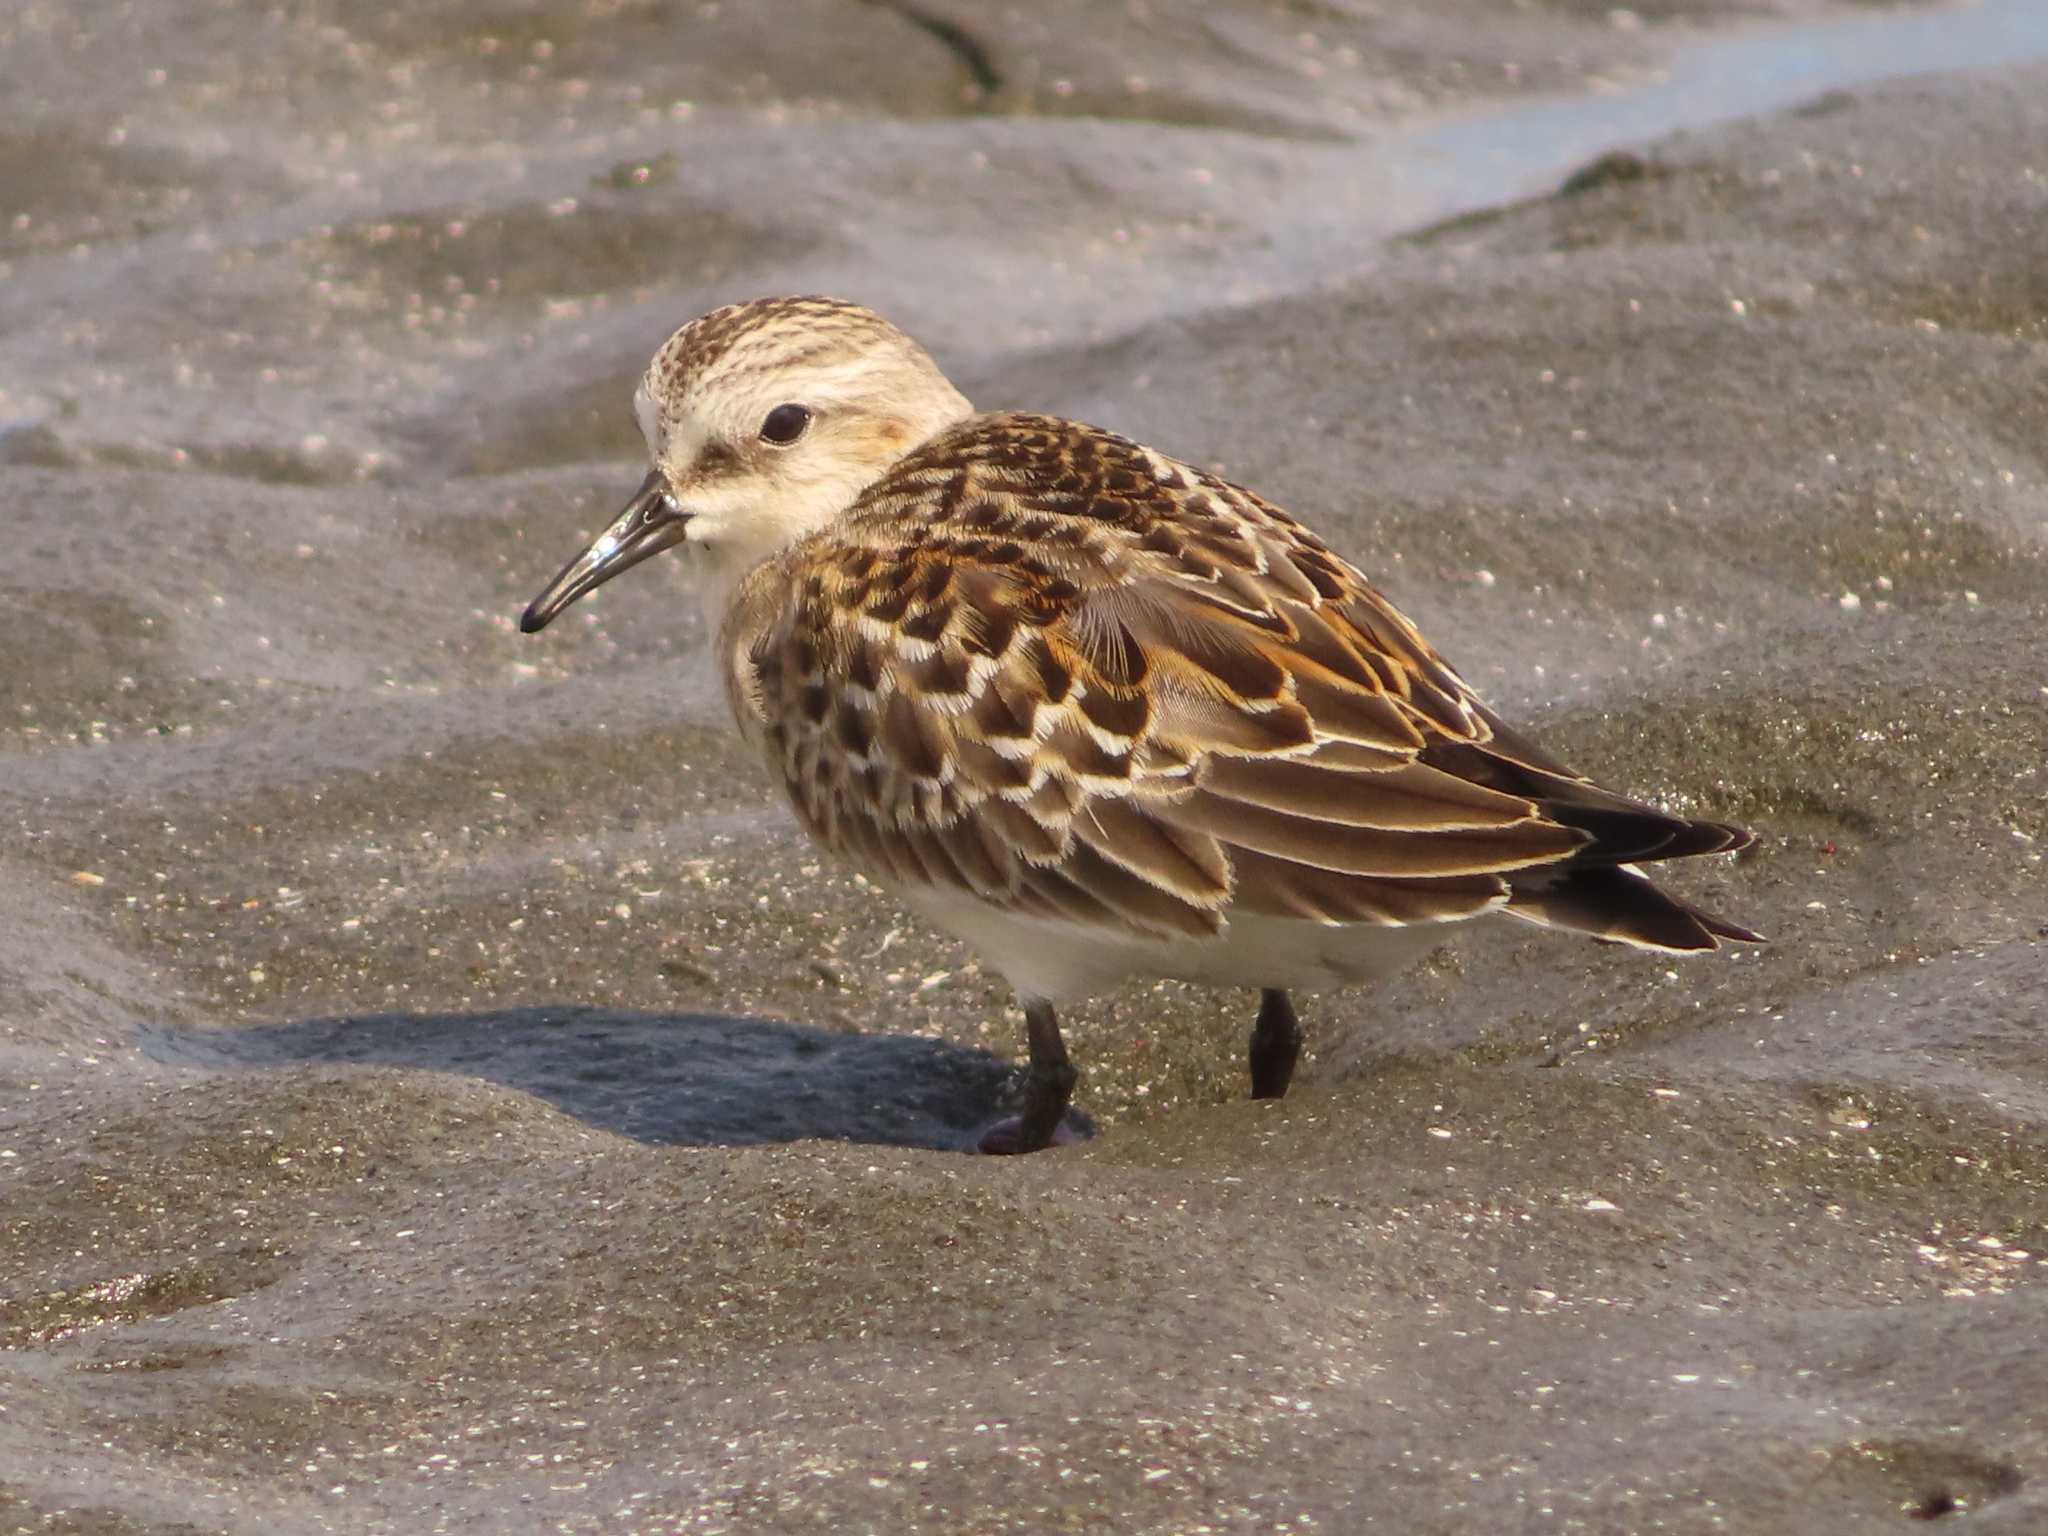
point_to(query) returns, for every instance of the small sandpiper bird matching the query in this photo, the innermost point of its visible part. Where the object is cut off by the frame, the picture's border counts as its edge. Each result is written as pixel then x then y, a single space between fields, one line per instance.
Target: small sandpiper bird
pixel 1089 708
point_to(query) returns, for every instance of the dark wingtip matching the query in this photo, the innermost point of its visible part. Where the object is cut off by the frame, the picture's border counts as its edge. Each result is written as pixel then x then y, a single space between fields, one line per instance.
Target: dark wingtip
pixel 1630 834
pixel 1721 928
pixel 1735 838
pixel 1621 906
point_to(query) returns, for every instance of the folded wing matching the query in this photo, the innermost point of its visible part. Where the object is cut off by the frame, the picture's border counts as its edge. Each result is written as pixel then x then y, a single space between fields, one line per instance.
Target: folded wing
pixel 1082 681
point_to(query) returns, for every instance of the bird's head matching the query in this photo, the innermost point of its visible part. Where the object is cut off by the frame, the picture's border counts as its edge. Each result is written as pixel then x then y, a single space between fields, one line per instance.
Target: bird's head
pixel 763 421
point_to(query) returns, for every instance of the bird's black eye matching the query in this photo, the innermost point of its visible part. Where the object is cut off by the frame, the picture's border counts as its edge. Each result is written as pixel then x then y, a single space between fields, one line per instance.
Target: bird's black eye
pixel 785 424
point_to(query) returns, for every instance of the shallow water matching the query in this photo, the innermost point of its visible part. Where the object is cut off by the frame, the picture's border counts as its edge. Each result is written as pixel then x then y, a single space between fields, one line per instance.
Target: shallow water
pixel 1495 155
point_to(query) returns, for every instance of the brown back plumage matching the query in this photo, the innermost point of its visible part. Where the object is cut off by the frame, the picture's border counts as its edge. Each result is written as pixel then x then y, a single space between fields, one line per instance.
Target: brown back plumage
pixel 1050 669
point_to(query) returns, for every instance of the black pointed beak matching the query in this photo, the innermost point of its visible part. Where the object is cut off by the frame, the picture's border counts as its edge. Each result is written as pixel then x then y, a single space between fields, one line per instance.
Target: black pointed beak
pixel 650 523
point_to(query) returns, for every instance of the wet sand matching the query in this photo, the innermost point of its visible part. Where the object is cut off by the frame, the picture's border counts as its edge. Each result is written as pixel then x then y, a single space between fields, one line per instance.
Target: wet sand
pixel 440 1090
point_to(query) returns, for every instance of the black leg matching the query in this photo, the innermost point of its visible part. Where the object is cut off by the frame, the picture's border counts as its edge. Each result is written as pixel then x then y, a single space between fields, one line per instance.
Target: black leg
pixel 1276 1045
pixel 1047 1088
pixel 1052 1079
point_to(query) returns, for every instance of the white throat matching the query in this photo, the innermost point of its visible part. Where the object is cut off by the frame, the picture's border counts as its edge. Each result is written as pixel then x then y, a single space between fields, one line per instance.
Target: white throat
pixel 716 570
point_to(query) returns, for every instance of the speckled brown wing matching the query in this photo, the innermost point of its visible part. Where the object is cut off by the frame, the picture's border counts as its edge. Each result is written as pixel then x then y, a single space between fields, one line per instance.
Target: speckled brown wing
pixel 1049 669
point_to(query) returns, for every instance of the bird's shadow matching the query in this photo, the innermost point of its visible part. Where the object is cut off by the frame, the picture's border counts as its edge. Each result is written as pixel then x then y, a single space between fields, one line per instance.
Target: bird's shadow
pixel 684 1078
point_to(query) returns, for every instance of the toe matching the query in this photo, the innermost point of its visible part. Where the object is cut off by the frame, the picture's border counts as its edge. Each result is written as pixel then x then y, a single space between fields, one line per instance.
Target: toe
pixel 1006 1138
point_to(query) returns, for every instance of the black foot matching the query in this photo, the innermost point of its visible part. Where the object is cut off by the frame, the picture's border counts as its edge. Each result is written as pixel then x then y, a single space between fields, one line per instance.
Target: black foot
pixel 1046 1090
pixel 1276 1045
pixel 1006 1138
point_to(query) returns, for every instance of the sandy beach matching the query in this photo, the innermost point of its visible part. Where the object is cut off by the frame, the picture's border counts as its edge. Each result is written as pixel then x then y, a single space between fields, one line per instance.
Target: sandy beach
pixel 441 1090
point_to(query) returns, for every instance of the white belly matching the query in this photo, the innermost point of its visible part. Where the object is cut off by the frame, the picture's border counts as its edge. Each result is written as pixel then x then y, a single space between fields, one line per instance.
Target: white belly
pixel 1062 962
